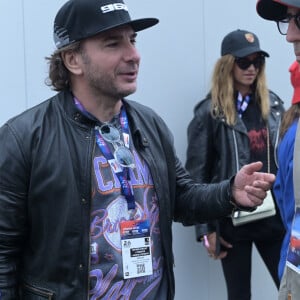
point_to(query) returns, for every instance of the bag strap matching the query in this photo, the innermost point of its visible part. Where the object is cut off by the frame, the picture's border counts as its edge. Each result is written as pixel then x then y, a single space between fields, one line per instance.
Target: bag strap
pixel 268 150
pixel 296 165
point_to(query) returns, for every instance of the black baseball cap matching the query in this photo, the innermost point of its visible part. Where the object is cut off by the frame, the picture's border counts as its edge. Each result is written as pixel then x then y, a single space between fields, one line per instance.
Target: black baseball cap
pixel 275 9
pixel 241 43
pixel 80 19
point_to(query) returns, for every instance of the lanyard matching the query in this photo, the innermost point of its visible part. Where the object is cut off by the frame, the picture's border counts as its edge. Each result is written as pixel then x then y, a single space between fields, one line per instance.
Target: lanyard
pixel 121 172
pixel 242 103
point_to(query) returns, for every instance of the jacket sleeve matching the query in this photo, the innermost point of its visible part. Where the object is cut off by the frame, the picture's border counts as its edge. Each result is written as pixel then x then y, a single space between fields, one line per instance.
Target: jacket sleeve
pixel 204 228
pixel 13 191
pixel 199 202
pixel 200 150
pixel 199 161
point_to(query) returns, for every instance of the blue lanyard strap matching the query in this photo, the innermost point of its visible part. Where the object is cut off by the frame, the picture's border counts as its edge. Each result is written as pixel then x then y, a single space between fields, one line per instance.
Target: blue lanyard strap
pixel 121 172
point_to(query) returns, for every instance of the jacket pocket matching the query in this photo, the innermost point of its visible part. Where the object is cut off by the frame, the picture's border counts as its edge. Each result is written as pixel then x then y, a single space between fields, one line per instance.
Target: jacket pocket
pixel 30 292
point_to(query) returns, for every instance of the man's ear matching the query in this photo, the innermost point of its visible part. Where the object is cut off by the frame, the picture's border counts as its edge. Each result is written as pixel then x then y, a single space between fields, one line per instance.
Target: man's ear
pixel 71 60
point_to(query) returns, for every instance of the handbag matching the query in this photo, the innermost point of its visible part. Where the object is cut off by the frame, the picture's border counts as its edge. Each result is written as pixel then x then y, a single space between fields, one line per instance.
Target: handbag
pixel 265 210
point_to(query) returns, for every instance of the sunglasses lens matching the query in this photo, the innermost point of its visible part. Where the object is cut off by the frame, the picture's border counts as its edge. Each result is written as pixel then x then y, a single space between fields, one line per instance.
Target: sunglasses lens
pixel 283 24
pixel 124 157
pixel 258 62
pixel 244 63
pixel 122 154
pixel 110 133
pixel 297 20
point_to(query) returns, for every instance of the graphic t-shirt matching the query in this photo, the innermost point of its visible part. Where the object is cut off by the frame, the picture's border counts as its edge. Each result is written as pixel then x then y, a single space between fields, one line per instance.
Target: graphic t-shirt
pixel 257 133
pixel 109 208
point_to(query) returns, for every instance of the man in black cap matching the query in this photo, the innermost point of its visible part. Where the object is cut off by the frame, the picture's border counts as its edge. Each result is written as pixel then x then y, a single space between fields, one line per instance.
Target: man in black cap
pixel 286 13
pixel 90 182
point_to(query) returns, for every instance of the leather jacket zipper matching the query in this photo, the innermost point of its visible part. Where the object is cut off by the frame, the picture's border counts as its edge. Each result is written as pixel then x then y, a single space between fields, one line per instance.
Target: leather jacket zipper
pixel 235 150
pixel 89 261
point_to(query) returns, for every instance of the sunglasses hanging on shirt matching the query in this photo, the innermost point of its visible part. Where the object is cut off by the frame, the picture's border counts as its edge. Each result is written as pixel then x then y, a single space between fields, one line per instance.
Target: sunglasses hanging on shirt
pixel 122 154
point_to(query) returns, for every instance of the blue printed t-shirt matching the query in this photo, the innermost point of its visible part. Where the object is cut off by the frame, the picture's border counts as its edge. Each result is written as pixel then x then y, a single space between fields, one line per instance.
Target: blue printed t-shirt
pixel 108 208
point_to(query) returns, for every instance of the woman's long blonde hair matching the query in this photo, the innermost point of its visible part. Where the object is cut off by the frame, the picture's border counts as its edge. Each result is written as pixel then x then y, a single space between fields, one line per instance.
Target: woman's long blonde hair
pixel 223 92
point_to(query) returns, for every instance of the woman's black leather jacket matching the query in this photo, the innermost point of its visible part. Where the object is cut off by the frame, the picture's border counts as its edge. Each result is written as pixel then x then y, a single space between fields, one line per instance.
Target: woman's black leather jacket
pixel 221 150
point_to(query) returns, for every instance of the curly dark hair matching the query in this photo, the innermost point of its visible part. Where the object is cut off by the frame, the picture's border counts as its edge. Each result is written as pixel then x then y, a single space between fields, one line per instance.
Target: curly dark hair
pixel 59 75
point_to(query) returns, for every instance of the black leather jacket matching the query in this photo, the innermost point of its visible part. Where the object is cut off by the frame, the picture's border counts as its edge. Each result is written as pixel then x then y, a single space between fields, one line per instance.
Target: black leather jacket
pixel 221 150
pixel 45 192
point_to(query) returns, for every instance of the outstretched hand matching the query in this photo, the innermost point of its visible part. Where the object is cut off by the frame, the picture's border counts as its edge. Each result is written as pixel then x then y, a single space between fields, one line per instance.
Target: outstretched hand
pixel 250 186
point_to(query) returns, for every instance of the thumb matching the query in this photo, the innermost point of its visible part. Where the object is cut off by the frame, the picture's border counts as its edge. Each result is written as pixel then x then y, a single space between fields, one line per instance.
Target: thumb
pixel 252 168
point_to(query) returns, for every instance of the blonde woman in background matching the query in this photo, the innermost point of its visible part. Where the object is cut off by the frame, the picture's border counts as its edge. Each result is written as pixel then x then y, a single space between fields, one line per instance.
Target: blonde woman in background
pixel 237 123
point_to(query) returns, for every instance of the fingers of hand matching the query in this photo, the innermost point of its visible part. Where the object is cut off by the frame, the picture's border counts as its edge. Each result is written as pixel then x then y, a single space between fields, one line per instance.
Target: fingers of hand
pixel 266 177
pixel 225 243
pixel 262 184
pixel 221 255
pixel 210 251
pixel 251 168
pixel 256 195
